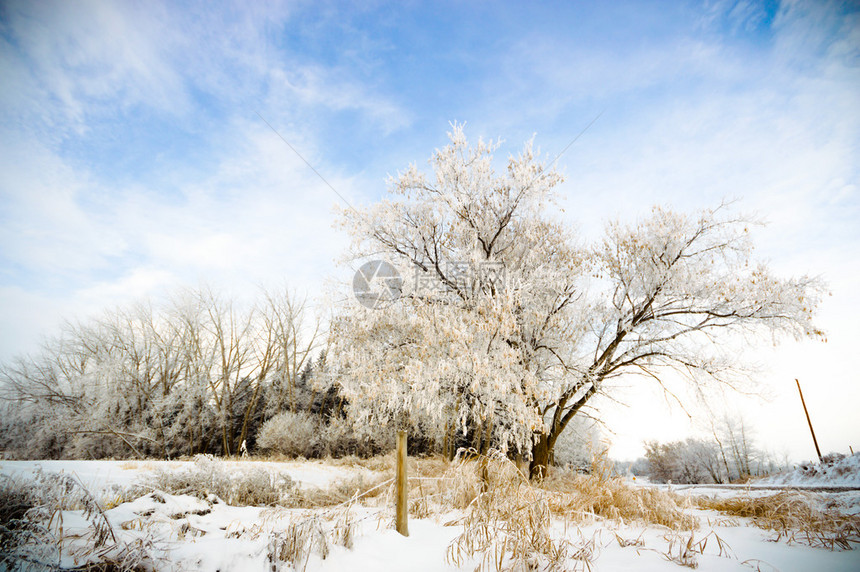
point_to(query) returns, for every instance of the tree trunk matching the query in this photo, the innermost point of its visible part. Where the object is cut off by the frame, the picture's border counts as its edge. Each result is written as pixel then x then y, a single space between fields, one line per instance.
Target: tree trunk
pixel 487 436
pixel 540 457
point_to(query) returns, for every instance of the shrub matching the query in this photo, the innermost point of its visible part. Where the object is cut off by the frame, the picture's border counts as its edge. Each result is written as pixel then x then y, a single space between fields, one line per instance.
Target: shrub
pixel 252 486
pixel 291 434
pixel 341 438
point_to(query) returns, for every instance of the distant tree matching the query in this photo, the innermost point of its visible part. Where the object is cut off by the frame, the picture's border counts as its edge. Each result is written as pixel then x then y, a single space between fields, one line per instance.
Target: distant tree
pixel 737 452
pixel 579 444
pixel 729 456
pixel 662 462
pixel 184 377
pixel 639 467
pixel 682 462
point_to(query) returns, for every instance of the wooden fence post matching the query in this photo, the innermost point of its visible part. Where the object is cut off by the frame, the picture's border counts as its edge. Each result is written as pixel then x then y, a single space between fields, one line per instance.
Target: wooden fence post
pixel 402 486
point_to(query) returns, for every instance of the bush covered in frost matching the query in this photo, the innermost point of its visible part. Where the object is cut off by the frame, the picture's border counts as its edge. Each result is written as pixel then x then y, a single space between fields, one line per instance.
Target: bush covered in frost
pixel 208 476
pixel 291 434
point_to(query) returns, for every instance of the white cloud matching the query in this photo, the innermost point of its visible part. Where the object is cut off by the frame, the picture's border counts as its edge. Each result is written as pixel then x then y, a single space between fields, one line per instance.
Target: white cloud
pixel 139 283
pixel 91 58
pixel 45 227
pixel 76 63
pixel 26 317
pixel 690 118
pixel 315 86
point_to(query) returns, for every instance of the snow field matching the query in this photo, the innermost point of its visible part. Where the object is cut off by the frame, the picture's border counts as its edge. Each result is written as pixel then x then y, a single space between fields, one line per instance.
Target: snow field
pixel 185 532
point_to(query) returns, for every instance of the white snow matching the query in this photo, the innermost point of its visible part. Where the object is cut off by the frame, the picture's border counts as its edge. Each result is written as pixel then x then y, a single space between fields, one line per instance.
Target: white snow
pixel 99 476
pixel 191 534
pixel 842 472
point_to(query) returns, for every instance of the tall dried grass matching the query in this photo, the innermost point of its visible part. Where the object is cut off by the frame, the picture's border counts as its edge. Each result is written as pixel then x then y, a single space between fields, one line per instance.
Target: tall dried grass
pixel 511 523
pixel 508 524
pixel 599 494
pixel 294 545
pixel 793 516
pixel 32 535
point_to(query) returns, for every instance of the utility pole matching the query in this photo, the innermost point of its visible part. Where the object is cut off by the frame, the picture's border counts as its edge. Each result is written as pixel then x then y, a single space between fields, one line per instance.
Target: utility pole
pixel 808 420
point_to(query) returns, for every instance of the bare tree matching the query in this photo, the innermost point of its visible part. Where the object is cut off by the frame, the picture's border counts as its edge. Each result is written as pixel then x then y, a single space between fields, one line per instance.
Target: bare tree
pixel 294 339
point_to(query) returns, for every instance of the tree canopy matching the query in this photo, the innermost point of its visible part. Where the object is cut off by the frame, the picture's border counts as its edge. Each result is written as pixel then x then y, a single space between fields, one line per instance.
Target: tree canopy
pixel 508 325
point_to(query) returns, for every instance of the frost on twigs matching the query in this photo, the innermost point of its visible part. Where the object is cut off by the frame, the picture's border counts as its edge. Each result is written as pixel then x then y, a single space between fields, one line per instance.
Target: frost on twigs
pixel 33 535
pixel 481 275
pixel 210 477
pixel 507 358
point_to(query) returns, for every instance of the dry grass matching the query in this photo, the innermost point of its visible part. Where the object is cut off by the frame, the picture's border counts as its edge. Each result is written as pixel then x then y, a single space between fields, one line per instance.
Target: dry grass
pixel 256 486
pixel 432 466
pixel 599 494
pixel 32 535
pixel 684 550
pixel 511 523
pixel 294 545
pixel 380 463
pixel 792 515
pixel 359 487
pixel 508 522
pixel 140 465
pixel 429 467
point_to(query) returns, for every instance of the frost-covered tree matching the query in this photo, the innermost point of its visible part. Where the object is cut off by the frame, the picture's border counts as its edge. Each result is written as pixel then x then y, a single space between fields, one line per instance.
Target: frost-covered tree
pixel 180 378
pixel 469 346
pixel 685 462
pixel 507 327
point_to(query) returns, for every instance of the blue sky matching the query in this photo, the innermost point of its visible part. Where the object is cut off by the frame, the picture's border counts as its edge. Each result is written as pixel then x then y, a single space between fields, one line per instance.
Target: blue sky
pixel 132 158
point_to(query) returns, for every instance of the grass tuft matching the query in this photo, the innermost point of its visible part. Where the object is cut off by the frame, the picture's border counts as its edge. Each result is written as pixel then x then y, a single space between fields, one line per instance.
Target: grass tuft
pixel 508 522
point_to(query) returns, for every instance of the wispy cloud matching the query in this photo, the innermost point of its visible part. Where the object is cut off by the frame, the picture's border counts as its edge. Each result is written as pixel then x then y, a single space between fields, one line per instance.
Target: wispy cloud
pixel 83 61
pixel 132 159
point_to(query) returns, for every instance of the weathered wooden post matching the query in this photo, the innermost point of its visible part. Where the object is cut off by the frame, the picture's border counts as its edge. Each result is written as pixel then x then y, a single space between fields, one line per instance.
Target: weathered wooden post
pixel 401 486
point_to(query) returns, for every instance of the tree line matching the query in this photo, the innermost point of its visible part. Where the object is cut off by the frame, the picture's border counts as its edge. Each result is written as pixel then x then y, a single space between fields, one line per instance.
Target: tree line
pixel 731 455
pixel 194 374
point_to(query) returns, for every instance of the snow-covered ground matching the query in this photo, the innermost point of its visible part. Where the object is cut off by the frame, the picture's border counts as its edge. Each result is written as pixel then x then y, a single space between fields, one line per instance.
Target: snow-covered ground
pixel 188 533
pixel 100 475
pixel 832 472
